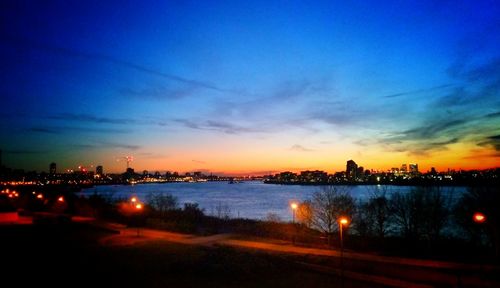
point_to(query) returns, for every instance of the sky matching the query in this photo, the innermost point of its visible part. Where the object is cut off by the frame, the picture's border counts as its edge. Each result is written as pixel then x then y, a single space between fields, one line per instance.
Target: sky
pixel 249 87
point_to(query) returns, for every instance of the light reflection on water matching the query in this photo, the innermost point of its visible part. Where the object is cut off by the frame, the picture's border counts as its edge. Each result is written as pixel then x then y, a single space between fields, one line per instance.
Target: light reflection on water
pixel 251 199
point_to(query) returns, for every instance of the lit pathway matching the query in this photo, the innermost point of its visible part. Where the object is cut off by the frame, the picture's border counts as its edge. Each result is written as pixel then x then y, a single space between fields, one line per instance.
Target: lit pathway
pixel 228 239
pixel 436 271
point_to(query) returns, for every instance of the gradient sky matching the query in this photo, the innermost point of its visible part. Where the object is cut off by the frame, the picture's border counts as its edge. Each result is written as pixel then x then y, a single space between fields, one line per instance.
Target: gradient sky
pixel 255 87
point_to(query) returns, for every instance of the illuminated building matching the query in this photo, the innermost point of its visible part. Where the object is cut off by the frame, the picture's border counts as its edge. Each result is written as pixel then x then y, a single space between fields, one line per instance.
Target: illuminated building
pixel 413 168
pixel 52 168
pixel 351 170
pixel 404 168
pixel 98 170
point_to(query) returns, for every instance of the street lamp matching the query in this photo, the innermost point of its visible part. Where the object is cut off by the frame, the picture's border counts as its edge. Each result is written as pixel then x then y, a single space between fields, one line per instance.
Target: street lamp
pixel 342 221
pixel 294 207
pixel 479 217
pixel 138 208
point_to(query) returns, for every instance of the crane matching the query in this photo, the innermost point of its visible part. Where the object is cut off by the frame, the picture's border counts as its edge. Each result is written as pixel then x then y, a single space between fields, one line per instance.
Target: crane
pixel 128 159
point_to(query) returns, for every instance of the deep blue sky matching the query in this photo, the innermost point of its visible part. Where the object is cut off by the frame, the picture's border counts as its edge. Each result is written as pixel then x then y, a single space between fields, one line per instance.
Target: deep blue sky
pixel 251 86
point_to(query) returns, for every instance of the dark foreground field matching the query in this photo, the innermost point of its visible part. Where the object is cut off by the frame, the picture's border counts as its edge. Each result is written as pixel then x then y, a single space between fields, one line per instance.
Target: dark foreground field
pixel 70 255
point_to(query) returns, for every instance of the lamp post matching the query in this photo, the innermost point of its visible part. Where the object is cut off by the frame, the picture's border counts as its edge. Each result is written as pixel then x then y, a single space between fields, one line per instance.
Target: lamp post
pixel 138 208
pixel 294 207
pixel 480 219
pixel 342 221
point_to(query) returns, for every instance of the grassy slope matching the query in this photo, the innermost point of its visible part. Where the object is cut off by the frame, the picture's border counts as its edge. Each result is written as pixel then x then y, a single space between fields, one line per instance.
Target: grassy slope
pixel 69 255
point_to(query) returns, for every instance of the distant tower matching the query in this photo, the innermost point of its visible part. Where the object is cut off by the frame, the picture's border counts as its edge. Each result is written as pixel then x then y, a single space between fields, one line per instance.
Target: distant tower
pixel 351 169
pixel 99 170
pixel 413 168
pixel 52 168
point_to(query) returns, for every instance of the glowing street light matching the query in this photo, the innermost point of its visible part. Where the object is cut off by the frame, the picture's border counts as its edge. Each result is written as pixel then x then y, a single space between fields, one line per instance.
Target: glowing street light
pixel 294 207
pixel 60 199
pixel 138 208
pixel 342 221
pixel 479 217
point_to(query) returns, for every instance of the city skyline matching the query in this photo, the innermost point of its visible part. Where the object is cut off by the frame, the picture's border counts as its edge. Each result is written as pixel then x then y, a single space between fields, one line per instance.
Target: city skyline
pixel 252 88
pixel 351 168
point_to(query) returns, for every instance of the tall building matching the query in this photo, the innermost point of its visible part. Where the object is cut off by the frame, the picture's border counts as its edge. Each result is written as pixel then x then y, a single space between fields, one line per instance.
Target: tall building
pixel 404 168
pixel 413 168
pixel 52 168
pixel 351 170
pixel 99 171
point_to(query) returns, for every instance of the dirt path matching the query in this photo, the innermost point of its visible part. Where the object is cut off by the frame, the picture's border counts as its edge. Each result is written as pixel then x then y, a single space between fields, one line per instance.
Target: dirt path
pixel 411 270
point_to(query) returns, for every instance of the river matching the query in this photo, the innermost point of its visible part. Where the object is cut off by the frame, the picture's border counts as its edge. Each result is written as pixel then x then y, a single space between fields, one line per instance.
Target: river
pixel 250 199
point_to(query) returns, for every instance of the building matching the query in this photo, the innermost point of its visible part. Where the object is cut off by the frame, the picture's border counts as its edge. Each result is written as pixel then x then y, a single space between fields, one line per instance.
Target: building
pixel 351 170
pixel 313 176
pixel 99 170
pixel 404 168
pixel 413 168
pixel 52 168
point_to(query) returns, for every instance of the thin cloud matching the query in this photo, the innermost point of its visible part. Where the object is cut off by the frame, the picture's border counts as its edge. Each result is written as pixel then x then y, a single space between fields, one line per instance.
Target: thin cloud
pixel 124 146
pixel 492 115
pixel 418 91
pixel 219 126
pixel 160 93
pixel 105 58
pixel 199 161
pixel 21 151
pixel 432 129
pixel 300 148
pixel 91 118
pixel 43 130
pixel 493 141
pixel 100 145
pixel 66 129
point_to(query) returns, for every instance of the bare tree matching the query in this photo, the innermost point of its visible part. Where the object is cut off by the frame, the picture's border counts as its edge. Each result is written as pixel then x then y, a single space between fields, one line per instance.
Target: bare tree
pixel 222 211
pixel 378 213
pixel 420 213
pixel 273 218
pixel 305 213
pixel 162 203
pixel 406 211
pixel 437 211
pixel 328 205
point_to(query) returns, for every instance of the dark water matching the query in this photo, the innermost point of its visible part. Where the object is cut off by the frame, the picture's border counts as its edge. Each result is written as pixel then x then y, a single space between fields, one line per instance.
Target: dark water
pixel 253 199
